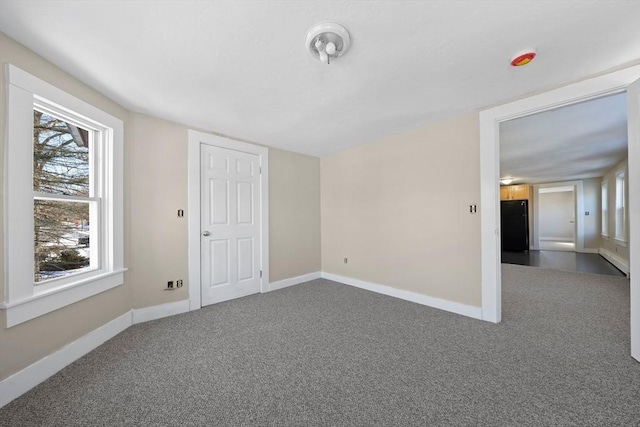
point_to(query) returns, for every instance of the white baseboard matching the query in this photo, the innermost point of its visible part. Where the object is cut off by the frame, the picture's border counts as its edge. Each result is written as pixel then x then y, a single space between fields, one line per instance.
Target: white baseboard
pixel 154 312
pixel 442 304
pixel 589 251
pixel 24 380
pixel 621 264
pixel 556 239
pixel 293 281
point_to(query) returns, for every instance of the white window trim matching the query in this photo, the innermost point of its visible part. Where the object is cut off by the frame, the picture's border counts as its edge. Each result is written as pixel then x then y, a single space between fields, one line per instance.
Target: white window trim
pixel 604 210
pixel 22 300
pixel 621 240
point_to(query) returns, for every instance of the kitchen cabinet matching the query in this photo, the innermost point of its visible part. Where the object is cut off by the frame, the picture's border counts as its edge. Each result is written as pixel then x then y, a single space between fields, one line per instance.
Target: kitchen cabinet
pixel 515 192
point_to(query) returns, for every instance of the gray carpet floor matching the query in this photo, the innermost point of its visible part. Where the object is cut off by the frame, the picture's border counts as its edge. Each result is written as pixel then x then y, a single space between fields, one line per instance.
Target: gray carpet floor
pixel 324 353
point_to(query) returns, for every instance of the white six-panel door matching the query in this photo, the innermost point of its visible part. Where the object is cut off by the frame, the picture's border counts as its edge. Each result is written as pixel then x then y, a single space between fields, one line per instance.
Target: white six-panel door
pixel 230 224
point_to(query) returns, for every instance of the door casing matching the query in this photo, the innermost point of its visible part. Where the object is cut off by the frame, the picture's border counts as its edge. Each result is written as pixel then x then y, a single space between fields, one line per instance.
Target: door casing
pixel 195 140
pixel 490 120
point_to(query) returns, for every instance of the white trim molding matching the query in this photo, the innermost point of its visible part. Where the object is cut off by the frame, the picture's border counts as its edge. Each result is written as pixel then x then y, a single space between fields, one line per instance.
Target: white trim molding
pixel 29 308
pixel 285 283
pixel 490 120
pixel 24 380
pixel 633 168
pixel 620 263
pixel 441 304
pixel 23 298
pixel 197 138
pixel 154 312
pixel 590 251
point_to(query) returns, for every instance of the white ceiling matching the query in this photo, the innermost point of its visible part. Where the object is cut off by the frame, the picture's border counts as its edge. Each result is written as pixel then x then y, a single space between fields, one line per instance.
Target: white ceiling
pixel 241 68
pixel 574 142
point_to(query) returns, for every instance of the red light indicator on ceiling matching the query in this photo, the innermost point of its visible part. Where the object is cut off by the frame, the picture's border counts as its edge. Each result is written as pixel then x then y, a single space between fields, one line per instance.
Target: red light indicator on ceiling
pixel 523 59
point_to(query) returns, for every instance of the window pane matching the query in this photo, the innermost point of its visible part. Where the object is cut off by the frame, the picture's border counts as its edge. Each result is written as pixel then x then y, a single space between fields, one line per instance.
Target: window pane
pixel 60 156
pixel 62 244
pixel 605 212
pixel 620 211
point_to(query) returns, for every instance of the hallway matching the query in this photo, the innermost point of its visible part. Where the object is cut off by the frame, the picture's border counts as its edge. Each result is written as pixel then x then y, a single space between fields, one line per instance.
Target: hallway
pixel 562 260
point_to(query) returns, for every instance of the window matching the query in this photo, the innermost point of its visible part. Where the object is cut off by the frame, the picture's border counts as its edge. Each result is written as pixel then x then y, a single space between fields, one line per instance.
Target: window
pixel 605 209
pixel 621 228
pixel 63 206
pixel 66 195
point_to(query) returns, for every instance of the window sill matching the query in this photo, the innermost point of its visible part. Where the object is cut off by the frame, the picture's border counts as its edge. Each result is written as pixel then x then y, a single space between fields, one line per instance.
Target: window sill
pixel 621 242
pixel 45 302
pixel 604 236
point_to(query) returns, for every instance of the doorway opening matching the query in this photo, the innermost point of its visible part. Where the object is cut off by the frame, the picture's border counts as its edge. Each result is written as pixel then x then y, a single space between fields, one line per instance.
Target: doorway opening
pixel 556 218
pixel 625 80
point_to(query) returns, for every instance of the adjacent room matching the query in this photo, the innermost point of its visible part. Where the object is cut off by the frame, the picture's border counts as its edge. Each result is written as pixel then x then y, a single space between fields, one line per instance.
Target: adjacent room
pixel 555 166
pixel 319 213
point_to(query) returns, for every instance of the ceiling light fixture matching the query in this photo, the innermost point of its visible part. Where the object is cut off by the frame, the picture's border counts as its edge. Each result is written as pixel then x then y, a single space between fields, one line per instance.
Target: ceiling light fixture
pixel 328 41
pixel 506 181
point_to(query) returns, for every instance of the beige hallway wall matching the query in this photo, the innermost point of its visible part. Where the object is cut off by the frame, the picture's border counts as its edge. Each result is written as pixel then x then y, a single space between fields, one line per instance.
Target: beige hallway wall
pixel 591 196
pixel 398 209
pixel 28 342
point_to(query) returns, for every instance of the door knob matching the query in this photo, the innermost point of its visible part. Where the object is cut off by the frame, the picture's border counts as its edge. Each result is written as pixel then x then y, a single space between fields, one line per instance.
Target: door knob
pixel 206 233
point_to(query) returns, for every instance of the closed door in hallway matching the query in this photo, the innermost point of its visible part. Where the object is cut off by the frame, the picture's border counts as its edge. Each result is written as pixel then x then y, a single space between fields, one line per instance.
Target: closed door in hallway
pixel 230 224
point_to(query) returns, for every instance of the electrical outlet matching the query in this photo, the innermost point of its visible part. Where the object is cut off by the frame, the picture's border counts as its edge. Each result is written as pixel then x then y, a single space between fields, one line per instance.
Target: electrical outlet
pixel 179 283
pixel 345 260
pixel 169 286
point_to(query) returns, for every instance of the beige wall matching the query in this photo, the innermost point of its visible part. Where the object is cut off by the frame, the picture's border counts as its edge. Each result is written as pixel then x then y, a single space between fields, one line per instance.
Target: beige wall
pixel 158 189
pixel 294 214
pixel 556 212
pixel 610 244
pixel 591 197
pixel 399 210
pixel 28 342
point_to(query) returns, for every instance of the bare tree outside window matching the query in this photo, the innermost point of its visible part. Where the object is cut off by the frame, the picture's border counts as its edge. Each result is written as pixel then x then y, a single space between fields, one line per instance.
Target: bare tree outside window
pixel 61 179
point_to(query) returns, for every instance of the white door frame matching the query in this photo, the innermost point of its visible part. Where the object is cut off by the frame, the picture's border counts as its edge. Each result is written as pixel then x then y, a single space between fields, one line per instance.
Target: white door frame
pixel 490 120
pixel 578 206
pixel 193 212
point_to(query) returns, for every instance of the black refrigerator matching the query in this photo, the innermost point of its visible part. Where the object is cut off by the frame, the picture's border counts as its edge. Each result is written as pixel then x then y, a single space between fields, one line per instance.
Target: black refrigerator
pixel 514 224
